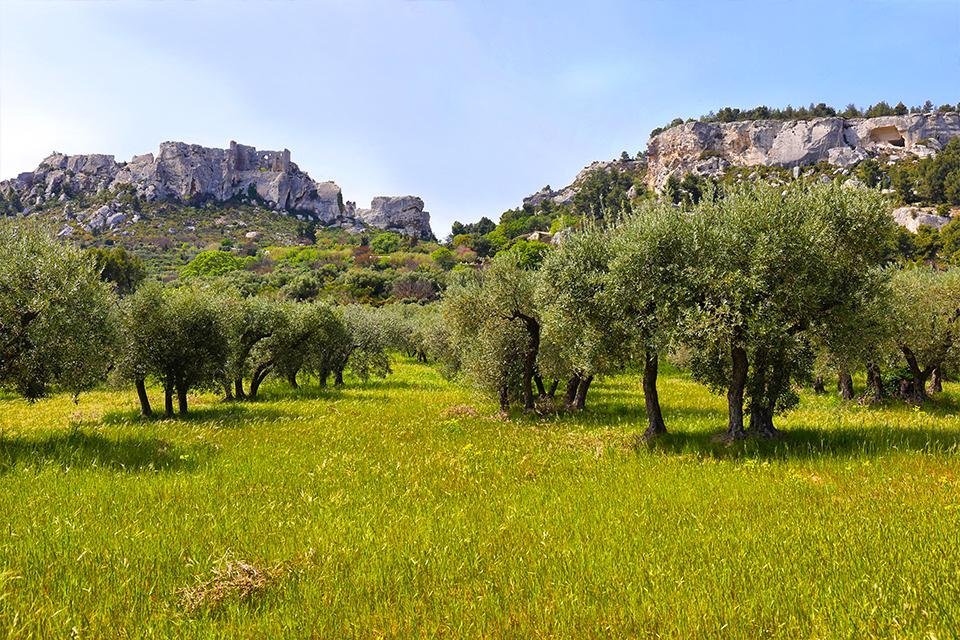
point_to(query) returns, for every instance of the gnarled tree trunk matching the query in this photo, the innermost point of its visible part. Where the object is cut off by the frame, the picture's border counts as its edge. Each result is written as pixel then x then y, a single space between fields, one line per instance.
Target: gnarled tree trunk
pixel 916 391
pixel 580 399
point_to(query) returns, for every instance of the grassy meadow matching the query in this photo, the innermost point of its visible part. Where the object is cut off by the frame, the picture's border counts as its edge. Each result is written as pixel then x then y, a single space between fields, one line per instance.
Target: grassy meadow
pixel 407 508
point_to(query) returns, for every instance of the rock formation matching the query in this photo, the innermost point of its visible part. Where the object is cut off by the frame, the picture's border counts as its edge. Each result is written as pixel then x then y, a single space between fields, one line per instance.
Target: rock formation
pixel 708 148
pixel 403 214
pixel 191 174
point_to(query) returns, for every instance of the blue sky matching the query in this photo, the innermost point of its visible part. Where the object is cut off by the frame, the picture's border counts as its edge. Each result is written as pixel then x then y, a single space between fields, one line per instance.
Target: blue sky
pixel 470 105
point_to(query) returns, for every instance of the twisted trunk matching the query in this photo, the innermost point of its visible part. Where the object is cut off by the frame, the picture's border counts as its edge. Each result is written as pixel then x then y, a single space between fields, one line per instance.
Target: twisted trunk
pixel 259 375
pixel 916 391
pixel 580 399
pixel 238 388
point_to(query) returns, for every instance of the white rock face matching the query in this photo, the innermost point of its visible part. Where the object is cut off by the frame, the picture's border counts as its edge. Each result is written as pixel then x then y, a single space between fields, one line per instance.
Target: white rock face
pixel 912 218
pixel 403 214
pixel 193 174
pixel 708 148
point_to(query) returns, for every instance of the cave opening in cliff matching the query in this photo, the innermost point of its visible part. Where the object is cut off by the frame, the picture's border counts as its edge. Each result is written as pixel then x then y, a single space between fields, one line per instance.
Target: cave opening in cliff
pixel 889 135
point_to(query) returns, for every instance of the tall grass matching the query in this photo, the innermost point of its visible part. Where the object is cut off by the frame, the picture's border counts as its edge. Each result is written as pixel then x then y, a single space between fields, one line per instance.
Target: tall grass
pixel 407 507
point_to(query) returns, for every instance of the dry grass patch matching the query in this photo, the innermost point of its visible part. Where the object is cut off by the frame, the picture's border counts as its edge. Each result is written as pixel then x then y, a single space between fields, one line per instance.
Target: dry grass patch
pixel 233 580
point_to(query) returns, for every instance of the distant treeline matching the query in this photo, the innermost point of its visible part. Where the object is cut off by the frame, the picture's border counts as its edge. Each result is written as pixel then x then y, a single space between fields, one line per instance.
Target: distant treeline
pixel 821 110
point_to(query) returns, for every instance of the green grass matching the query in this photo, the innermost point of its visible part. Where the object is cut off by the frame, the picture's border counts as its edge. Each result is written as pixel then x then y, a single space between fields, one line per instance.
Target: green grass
pixel 386 509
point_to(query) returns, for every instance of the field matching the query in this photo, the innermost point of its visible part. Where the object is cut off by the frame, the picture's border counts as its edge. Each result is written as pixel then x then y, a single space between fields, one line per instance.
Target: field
pixel 407 507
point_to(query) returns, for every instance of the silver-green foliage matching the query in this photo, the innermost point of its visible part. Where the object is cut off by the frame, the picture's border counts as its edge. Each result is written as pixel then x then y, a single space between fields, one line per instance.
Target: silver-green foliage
pixel 57 324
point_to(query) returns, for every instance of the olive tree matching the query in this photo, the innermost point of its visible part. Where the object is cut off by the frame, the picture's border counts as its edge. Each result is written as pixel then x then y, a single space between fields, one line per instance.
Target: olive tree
pixel 580 338
pixel 483 344
pixel 178 336
pixel 57 322
pixel 926 305
pixel 649 277
pixel 251 320
pixel 773 268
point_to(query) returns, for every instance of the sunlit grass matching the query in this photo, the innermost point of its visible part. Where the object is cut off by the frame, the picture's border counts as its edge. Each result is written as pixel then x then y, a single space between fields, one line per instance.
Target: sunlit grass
pixel 393 509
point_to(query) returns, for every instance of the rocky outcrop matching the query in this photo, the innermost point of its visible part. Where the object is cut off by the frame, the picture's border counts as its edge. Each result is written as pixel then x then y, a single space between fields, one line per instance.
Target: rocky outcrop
pixel 565 195
pixel 191 174
pixel 403 214
pixel 709 148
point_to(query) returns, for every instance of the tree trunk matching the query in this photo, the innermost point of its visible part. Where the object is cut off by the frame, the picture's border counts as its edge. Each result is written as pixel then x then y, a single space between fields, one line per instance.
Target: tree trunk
pixel 182 399
pixel 818 386
pixel 238 388
pixel 936 380
pixel 259 375
pixel 145 409
pixel 168 400
pixel 292 380
pixel 874 384
pixel 324 375
pixel 845 385
pixel 530 359
pixel 738 380
pixel 552 392
pixel 571 393
pixel 917 391
pixel 651 399
pixel 504 399
pixel 541 390
pixel 227 391
pixel 338 377
pixel 580 400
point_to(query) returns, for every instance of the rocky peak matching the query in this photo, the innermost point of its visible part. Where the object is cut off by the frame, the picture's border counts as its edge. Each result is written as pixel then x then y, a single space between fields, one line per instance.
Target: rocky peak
pixel 192 174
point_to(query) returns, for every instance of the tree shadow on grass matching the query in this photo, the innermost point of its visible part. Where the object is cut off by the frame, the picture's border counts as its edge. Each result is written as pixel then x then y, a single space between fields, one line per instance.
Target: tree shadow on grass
pixel 79 449
pixel 223 415
pixel 809 442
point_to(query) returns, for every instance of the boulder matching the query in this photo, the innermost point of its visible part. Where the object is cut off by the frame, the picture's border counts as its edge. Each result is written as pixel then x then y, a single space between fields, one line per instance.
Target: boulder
pixel 912 218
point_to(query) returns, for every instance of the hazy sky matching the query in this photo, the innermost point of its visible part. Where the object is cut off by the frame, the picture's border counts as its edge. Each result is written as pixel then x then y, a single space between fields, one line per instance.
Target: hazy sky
pixel 470 105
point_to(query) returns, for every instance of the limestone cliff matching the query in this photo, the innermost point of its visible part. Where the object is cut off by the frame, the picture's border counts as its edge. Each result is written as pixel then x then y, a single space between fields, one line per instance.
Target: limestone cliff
pixel 708 148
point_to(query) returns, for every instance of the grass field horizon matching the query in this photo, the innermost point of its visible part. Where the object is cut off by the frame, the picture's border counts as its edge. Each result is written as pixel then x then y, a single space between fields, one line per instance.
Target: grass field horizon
pixel 409 507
